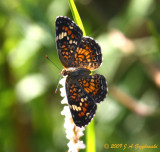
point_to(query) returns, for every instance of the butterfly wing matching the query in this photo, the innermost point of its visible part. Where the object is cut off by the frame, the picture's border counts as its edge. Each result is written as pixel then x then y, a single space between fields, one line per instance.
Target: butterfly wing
pixel 88 54
pixel 68 37
pixel 82 106
pixel 95 86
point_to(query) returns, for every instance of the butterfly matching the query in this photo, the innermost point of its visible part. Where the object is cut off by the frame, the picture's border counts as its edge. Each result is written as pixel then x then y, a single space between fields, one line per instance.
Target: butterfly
pixel 79 55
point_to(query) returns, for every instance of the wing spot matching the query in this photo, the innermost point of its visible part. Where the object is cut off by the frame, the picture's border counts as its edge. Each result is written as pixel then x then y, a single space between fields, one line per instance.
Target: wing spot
pixel 82 99
pixel 60 36
pixel 86 84
pixel 89 90
pixel 74 97
pixel 63 46
pixel 70 42
pixel 97 81
pixel 91 87
pixel 69 32
pixel 86 90
pixel 66 28
pixel 94 59
pixel 86 53
pixel 79 109
pixel 97 85
pixel 80 59
pixel 92 83
pixel 72 36
pixel 63 53
pixel 76 108
pixel 84 109
pixel 81 56
pixel 86 98
pixel 92 80
pixel 73 106
pixel 63 28
pixel 90 64
pixel 74 89
pixel 86 105
pixel 65 33
pixel 65 49
pixel 70 27
pixel 81 114
pixel 87 114
pixel 79 50
pixel 84 81
pixel 71 90
pixel 88 56
pixel 84 50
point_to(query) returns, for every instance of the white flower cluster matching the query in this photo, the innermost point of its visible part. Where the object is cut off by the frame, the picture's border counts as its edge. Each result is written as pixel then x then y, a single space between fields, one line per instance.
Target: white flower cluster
pixel 73 133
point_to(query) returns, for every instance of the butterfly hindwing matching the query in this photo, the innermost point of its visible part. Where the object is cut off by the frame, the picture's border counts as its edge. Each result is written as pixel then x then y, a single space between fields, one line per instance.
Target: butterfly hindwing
pixel 88 54
pixel 82 106
pixel 95 86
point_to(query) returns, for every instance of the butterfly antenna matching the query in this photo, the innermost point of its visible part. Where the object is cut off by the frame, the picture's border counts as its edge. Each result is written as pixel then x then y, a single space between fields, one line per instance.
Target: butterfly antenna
pixel 53 63
pixel 58 69
pixel 58 84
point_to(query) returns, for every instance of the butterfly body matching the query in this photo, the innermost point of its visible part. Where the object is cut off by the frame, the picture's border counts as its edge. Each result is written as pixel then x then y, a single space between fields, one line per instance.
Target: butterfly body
pixel 79 55
pixel 74 72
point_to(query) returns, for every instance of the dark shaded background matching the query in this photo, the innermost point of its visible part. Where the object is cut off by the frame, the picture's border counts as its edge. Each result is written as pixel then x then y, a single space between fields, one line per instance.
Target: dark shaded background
pixel 128 32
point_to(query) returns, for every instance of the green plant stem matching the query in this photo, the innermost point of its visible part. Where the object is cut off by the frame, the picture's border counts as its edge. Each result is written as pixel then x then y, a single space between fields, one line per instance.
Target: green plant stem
pixel 76 16
pixel 90 137
pixel 90 132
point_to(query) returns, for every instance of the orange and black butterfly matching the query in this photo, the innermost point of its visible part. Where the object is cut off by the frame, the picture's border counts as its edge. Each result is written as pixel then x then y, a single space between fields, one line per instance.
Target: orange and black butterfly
pixel 79 55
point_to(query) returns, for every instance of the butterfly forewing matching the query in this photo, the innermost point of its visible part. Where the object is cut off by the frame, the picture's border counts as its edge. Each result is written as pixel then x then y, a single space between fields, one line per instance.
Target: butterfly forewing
pixel 68 37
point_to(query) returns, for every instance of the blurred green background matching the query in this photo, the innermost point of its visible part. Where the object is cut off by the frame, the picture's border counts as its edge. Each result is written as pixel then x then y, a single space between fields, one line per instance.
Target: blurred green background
pixel 128 32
